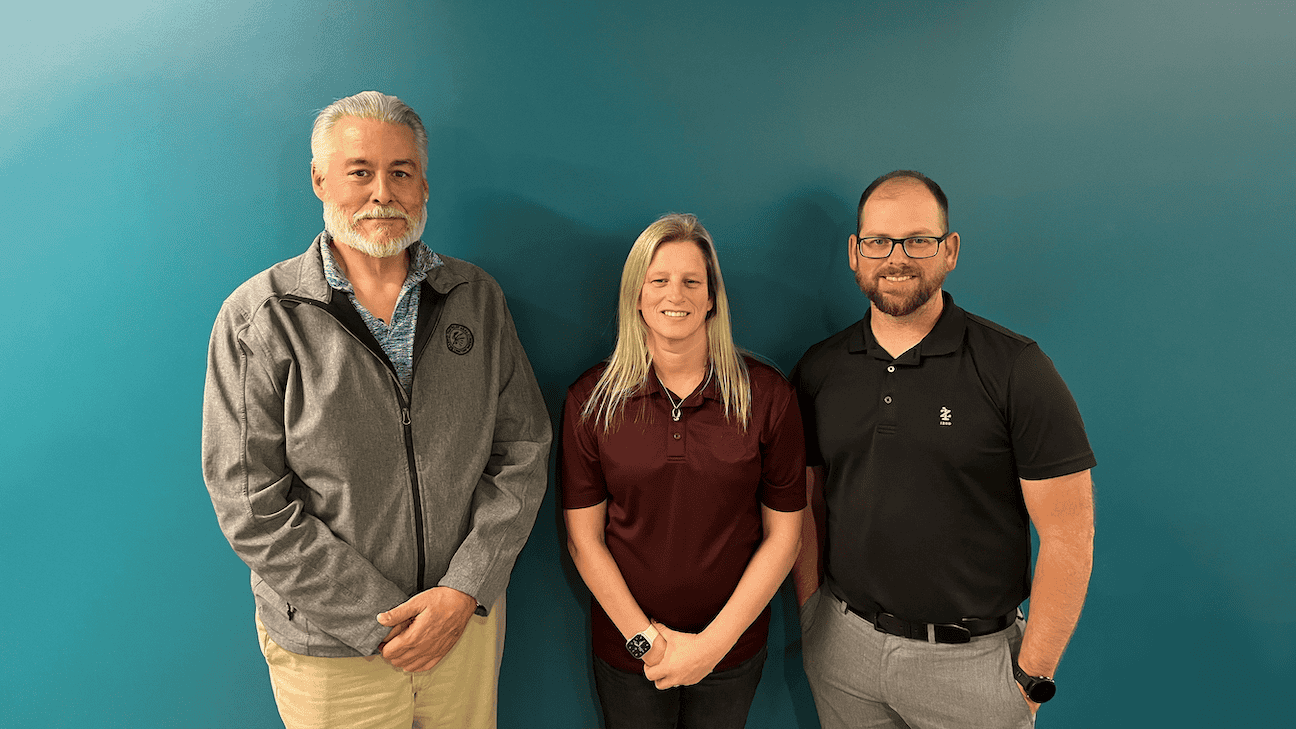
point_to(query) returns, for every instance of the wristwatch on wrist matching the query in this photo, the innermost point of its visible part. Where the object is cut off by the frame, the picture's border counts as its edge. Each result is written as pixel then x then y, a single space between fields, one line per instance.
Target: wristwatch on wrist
pixel 642 642
pixel 1038 688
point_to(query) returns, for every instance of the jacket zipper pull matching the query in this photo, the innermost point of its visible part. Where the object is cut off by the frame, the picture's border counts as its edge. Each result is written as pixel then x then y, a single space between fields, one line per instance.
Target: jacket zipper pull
pixel 405 418
pixel 291 610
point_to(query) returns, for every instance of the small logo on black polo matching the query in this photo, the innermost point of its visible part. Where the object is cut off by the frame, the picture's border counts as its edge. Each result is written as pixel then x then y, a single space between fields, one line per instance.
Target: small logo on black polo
pixel 459 338
pixel 945 416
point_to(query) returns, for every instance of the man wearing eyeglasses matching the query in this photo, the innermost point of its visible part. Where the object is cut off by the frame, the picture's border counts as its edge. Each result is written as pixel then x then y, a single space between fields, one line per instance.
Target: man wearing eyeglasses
pixel 935 439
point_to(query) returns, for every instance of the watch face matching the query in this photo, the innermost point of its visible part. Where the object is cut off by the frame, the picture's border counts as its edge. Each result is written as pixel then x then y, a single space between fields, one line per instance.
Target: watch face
pixel 638 646
pixel 1042 691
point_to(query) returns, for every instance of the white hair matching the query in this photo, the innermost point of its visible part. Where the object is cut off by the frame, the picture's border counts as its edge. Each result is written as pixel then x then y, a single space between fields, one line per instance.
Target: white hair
pixel 369 105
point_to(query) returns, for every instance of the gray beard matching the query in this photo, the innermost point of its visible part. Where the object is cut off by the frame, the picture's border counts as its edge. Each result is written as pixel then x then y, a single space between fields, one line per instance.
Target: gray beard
pixel 894 305
pixel 343 229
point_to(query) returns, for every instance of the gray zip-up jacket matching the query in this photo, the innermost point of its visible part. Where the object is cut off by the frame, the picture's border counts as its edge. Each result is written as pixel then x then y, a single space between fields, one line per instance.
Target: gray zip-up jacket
pixel 345 494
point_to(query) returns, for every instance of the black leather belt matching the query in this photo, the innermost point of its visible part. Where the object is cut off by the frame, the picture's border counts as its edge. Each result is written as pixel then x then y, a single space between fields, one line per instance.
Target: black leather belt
pixel 960 632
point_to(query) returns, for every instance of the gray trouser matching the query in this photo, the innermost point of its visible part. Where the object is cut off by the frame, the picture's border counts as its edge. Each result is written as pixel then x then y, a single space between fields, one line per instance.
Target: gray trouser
pixel 863 678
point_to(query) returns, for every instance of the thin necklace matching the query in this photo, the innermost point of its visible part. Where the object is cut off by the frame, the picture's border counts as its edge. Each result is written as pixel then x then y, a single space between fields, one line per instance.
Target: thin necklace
pixel 675 406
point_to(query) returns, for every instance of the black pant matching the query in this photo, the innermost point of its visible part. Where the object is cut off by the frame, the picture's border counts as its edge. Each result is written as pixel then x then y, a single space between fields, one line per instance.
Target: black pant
pixel 719 701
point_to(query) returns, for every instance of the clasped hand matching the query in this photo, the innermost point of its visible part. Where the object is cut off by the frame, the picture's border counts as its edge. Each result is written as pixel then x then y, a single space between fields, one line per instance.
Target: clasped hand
pixel 425 627
pixel 689 658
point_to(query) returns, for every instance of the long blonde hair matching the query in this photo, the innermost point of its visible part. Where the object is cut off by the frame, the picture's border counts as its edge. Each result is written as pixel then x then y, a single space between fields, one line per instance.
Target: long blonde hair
pixel 631 361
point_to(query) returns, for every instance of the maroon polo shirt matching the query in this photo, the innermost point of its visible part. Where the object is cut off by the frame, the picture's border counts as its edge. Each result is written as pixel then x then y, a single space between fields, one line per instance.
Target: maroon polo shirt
pixel 684 498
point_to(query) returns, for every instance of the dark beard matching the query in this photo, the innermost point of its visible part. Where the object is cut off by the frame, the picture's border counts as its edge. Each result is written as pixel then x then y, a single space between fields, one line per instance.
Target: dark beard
pixel 894 305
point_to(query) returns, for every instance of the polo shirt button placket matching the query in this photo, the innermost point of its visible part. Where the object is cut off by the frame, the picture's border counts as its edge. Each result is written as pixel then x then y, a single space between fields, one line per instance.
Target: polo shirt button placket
pixel 675 442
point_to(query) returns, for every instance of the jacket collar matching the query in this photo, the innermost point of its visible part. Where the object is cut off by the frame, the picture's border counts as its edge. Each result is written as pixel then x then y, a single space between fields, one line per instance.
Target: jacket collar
pixel 312 283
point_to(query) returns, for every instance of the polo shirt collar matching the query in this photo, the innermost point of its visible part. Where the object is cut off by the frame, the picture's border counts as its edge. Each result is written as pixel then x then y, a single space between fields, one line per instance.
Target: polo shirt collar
pixel 947 335
pixel 421 261
pixel 944 338
pixel 653 386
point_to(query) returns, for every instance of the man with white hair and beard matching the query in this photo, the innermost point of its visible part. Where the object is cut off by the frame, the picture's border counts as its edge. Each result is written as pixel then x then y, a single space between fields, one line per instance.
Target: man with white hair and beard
pixel 375 446
pixel 934 439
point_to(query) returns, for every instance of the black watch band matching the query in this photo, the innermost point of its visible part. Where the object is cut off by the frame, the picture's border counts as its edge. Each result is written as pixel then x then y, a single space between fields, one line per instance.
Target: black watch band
pixel 1038 688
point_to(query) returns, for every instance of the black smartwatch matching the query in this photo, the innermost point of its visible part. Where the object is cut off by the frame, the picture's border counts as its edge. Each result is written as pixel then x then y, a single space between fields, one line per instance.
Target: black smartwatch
pixel 642 642
pixel 1038 688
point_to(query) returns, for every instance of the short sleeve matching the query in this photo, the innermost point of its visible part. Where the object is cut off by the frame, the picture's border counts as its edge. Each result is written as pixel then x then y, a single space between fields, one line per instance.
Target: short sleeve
pixel 580 471
pixel 1048 434
pixel 805 406
pixel 782 451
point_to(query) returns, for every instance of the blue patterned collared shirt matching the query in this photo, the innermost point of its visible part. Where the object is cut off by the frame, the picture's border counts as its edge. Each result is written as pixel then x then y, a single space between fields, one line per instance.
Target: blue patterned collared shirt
pixel 397 339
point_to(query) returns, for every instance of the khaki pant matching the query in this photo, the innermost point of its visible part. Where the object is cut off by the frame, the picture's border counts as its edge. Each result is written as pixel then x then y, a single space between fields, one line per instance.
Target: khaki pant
pixel 370 693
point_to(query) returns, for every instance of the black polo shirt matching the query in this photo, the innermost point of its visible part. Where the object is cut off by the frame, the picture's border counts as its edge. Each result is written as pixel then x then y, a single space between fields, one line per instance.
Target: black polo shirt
pixel 923 454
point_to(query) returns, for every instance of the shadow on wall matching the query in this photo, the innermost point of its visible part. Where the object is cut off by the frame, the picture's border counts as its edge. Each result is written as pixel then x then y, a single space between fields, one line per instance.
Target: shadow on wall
pixel 564 299
pixel 784 298
pixel 787 293
pixel 563 303
pixel 1159 597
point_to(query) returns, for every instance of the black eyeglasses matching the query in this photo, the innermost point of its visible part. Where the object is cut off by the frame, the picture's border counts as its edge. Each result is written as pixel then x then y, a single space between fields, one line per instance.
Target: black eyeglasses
pixel 923 246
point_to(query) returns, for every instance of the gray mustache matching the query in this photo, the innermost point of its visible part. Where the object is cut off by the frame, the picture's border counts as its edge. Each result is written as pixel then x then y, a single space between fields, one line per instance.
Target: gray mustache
pixel 382 213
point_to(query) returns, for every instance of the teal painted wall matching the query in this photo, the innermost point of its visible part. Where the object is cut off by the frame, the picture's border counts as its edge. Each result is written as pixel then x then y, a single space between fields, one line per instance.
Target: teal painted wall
pixel 1123 175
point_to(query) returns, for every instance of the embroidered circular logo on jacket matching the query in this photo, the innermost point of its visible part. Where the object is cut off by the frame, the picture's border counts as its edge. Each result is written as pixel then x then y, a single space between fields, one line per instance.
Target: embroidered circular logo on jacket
pixel 459 338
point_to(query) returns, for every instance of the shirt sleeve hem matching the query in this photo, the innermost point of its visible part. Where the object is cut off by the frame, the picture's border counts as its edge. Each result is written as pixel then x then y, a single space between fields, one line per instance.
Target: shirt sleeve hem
pixel 786 505
pixel 1062 468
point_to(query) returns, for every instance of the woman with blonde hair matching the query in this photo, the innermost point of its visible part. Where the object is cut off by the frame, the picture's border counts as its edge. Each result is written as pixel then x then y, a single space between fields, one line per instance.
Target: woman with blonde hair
pixel 682 470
